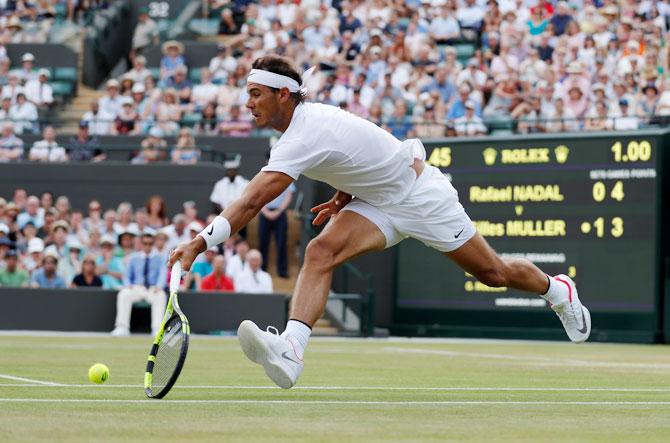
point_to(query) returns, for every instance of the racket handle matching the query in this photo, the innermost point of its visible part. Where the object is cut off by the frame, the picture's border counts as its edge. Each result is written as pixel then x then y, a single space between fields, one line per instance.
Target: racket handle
pixel 175 276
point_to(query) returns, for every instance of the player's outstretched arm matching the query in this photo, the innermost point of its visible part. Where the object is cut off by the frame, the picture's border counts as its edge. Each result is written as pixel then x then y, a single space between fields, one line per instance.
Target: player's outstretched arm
pixel 328 209
pixel 261 190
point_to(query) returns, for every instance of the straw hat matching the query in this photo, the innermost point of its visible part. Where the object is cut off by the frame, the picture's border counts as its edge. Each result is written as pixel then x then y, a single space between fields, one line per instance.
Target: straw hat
pixel 173 44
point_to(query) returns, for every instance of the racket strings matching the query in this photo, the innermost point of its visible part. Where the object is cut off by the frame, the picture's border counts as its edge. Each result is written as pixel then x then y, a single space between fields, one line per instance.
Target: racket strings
pixel 167 358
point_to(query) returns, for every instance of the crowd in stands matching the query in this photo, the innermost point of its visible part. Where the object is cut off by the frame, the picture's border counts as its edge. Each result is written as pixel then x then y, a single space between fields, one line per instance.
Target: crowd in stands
pixel 432 67
pixel 31 21
pixel 46 243
pixel 25 93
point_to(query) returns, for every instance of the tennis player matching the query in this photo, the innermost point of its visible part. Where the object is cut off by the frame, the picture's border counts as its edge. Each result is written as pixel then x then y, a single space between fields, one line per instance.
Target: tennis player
pixel 386 192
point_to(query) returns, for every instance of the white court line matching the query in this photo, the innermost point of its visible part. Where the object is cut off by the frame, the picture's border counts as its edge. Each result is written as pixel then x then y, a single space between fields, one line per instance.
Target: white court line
pixel 357 388
pixel 29 380
pixel 339 402
pixel 548 361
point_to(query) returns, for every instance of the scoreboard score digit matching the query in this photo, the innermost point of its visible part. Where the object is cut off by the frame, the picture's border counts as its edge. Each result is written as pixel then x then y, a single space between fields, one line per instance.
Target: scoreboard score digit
pixel 587 207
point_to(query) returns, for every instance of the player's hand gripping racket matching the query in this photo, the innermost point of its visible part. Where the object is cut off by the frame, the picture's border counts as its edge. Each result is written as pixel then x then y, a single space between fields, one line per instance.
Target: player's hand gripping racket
pixel 168 351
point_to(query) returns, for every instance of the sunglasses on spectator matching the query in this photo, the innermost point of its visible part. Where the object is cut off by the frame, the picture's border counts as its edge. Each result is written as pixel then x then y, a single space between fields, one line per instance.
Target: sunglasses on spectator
pixel 148 243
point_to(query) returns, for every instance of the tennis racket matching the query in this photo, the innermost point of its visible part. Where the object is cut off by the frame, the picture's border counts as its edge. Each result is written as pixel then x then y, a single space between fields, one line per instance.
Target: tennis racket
pixel 168 351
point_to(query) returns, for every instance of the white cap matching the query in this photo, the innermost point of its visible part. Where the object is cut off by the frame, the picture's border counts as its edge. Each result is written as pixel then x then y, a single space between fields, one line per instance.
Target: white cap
pixel 44 72
pixel 234 163
pixel 156 132
pixel 107 239
pixel 28 57
pixel 195 226
pixel 126 101
pixel 149 232
pixel 51 251
pixel 75 244
pixel 138 88
pixel 35 244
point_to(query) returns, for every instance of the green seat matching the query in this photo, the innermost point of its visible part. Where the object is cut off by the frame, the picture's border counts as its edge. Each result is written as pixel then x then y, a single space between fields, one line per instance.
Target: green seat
pixel 464 51
pixel 62 89
pixel 191 119
pixel 204 26
pixel 194 75
pixel 141 304
pixel 155 73
pixel 67 74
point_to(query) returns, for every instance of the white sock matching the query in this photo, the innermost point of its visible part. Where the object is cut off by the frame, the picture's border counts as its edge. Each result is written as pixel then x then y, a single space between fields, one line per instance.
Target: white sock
pixel 557 292
pixel 299 333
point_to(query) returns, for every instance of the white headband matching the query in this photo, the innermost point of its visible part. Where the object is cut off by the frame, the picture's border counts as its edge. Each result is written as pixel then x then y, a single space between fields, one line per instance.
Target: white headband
pixel 279 81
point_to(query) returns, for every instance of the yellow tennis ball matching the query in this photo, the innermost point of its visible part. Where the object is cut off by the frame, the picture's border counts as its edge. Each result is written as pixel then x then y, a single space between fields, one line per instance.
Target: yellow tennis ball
pixel 98 373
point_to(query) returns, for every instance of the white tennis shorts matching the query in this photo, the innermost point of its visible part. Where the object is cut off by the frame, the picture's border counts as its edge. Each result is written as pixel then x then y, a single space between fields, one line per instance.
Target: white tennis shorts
pixel 431 213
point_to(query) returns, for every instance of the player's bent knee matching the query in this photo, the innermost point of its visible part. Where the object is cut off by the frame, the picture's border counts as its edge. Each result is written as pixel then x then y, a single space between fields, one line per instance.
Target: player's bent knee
pixel 493 277
pixel 319 253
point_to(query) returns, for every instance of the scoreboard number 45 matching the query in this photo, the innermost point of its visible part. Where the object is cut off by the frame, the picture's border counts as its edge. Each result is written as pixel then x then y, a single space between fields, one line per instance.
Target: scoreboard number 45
pixel 440 157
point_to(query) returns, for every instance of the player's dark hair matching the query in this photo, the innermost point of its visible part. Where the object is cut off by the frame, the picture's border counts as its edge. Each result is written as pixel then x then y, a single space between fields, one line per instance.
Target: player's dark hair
pixel 282 66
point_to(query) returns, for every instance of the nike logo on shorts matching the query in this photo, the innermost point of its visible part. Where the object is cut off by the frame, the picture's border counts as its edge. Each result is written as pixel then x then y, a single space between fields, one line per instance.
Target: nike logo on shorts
pixel 211 229
pixel 459 233
pixel 285 355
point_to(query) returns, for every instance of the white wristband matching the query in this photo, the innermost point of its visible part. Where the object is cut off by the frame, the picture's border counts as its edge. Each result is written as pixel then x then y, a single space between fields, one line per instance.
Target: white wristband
pixel 217 232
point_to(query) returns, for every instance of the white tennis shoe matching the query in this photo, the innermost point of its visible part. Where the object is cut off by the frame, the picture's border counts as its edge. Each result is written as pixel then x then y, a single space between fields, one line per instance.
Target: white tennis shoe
pixel 575 317
pixel 275 353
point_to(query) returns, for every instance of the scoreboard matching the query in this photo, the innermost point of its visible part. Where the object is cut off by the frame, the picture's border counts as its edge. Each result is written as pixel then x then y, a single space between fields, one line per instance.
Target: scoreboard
pixel 590 207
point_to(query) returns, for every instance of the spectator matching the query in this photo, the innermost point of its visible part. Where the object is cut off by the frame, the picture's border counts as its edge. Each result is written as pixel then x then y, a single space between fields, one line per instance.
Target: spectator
pixel 399 124
pixel 208 124
pixel 27 71
pixel 236 125
pixel 177 232
pixel 124 223
pixel 238 262
pixel 180 83
pixel 202 268
pixel 5 107
pixel 87 278
pixel 109 222
pixel 457 109
pixel 127 120
pixel 84 147
pixel 109 267
pixel 227 25
pixel 145 34
pixel 172 58
pixel 223 64
pixel 63 207
pixel 230 187
pixel 202 93
pixel 47 149
pixel 273 219
pixel 99 121
pixel 70 264
pixel 24 114
pixel 144 279
pixel 46 276
pixel 110 103
pixel 153 147
pixel 168 112
pixel 11 147
pixel 469 124
pixel 161 244
pixel 39 91
pixel 139 72
pixel 186 152
pixel 217 280
pixel 31 213
pixel 626 121
pixel 428 126
pixel 12 276
pixel 191 212
pixel 253 280
pixel 156 210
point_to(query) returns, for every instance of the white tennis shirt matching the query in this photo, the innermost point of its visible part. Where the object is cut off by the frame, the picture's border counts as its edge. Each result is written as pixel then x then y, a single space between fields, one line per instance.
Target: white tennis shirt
pixel 353 155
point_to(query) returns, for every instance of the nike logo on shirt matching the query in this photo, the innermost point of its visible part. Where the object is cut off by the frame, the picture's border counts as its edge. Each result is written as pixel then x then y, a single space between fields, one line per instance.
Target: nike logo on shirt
pixel 211 229
pixel 459 233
